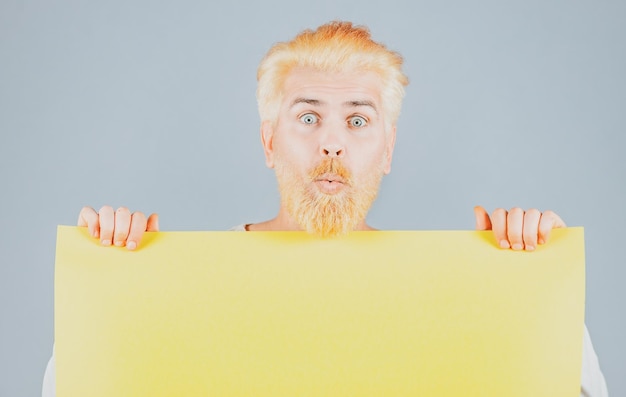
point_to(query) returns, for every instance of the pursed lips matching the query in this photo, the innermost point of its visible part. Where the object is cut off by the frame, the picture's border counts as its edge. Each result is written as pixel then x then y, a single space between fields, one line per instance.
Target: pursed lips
pixel 330 183
pixel 332 178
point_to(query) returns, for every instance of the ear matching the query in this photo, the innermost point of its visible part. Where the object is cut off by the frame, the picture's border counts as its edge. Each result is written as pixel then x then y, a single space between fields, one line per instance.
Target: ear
pixel 391 143
pixel 267 139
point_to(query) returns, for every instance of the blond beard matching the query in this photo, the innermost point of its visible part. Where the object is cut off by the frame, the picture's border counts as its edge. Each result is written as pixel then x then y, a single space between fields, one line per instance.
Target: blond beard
pixel 323 214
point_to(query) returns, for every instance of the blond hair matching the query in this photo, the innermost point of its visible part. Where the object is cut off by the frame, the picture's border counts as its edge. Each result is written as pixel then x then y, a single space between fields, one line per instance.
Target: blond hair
pixel 333 47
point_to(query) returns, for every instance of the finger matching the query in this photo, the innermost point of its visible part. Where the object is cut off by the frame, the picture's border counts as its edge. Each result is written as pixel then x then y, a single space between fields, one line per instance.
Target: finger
pixel 531 228
pixel 482 218
pixel 498 223
pixel 514 228
pixel 138 226
pixel 153 223
pixel 549 220
pixel 89 217
pixel 122 226
pixel 107 224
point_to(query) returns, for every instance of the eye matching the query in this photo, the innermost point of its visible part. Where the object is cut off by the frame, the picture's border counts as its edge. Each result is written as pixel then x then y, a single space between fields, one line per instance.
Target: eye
pixel 309 118
pixel 357 121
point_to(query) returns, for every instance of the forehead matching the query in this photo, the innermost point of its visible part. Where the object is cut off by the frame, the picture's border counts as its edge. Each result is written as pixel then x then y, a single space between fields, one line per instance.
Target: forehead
pixel 332 87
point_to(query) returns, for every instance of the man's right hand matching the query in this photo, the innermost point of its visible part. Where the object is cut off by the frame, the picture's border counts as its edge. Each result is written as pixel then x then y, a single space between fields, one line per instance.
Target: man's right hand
pixel 119 227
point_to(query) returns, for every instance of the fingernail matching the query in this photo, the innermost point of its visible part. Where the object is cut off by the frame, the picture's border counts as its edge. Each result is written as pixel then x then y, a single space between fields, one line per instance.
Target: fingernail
pixel 504 244
pixel 518 247
pixel 541 241
pixel 530 248
pixel 131 245
pixel 106 242
pixel 119 243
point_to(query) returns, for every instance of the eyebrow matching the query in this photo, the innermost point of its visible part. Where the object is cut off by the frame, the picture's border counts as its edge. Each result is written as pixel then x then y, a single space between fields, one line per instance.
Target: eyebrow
pixel 361 103
pixel 309 101
pixel 317 102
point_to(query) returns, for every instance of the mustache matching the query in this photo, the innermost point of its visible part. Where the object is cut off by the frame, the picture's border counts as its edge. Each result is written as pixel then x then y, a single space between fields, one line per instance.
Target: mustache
pixel 333 168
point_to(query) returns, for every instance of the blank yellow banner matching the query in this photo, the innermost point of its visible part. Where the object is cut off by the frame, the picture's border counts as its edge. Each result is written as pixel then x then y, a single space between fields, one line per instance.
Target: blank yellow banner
pixel 406 313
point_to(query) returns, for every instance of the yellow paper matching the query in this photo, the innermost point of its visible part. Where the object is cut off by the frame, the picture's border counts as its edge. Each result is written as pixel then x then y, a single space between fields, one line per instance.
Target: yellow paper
pixel 286 314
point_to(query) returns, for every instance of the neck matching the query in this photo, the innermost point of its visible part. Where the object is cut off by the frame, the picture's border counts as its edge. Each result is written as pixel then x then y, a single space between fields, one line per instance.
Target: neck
pixel 283 222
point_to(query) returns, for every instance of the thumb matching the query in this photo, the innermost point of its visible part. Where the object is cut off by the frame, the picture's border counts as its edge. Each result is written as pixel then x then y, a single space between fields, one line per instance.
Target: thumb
pixel 482 218
pixel 153 223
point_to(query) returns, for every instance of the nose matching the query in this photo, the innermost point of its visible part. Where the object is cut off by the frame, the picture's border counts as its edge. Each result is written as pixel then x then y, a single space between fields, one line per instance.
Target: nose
pixel 331 141
pixel 332 150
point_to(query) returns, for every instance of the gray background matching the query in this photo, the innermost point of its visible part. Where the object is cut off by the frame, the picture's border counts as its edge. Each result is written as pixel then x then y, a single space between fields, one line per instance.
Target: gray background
pixel 151 105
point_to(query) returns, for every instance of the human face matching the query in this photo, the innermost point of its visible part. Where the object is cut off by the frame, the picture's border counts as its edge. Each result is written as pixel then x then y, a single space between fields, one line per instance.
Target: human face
pixel 330 149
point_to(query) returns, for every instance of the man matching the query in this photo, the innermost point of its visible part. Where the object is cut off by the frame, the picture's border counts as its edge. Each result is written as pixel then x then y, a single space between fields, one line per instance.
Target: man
pixel 329 101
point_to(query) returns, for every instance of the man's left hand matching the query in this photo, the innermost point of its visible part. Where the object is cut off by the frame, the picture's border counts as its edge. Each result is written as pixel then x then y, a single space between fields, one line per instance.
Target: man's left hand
pixel 516 228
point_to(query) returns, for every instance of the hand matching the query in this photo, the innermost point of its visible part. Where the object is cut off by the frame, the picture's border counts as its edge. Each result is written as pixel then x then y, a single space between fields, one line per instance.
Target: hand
pixel 117 227
pixel 518 229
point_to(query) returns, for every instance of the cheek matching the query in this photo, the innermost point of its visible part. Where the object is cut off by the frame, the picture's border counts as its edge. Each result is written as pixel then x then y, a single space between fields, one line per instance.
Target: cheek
pixel 370 155
pixel 293 153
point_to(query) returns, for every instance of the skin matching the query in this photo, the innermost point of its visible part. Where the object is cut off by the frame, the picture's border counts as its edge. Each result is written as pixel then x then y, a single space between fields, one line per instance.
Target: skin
pixel 329 115
pixel 117 227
